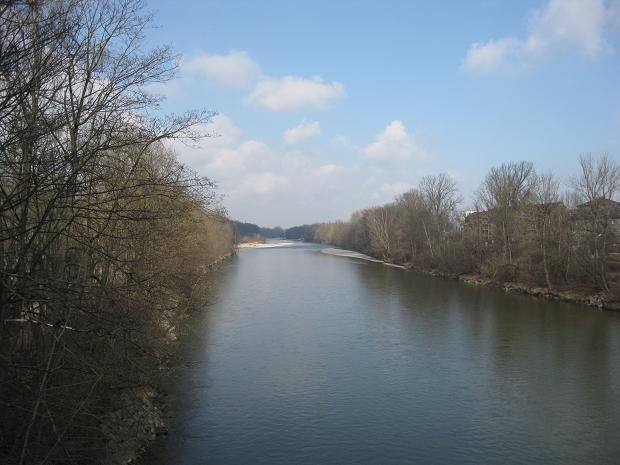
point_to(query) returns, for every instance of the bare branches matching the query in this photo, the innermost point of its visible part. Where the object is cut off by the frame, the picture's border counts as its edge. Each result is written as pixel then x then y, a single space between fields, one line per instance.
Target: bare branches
pixel 596 186
pixel 507 186
pixel 524 228
pixel 441 195
pixel 103 234
pixel 504 190
pixel 599 178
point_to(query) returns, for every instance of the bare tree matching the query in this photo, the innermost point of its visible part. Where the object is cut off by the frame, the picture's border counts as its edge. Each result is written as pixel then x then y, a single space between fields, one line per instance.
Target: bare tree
pixel 545 209
pixel 381 222
pixel 599 178
pixel 411 208
pixel 596 186
pixel 505 189
pixel 441 199
pixel 99 224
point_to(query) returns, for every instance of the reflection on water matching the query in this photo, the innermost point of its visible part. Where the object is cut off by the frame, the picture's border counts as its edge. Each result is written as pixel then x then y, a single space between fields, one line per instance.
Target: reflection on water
pixel 309 358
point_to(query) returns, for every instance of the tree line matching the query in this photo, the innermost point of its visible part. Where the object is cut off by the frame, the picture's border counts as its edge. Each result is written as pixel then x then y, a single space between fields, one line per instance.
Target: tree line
pixel 250 232
pixel 105 238
pixel 523 227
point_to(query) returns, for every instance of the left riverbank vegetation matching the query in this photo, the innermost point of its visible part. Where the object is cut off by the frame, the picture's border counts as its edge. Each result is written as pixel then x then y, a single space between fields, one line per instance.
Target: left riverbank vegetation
pixel 523 228
pixel 105 238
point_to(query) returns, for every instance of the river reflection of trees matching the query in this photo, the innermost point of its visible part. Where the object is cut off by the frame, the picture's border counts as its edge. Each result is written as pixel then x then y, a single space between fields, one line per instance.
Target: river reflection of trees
pixel 545 367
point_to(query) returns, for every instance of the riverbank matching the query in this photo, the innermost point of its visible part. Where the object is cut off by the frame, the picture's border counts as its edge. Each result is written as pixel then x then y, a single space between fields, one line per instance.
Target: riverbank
pixel 599 300
pixel 141 414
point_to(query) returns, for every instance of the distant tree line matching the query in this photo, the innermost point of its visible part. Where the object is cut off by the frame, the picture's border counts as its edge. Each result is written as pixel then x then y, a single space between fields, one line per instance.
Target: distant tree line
pixel 522 227
pixel 304 232
pixel 249 230
pixel 105 238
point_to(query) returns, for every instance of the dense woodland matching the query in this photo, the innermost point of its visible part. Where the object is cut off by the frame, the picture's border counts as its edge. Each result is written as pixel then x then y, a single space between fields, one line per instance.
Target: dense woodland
pixel 105 239
pixel 524 227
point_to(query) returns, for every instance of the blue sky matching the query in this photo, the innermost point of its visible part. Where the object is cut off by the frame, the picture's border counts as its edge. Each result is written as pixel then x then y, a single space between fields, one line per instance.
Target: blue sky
pixel 326 107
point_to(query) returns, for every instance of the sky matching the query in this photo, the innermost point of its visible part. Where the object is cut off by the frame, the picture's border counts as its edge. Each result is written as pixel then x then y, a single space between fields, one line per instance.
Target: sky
pixel 327 107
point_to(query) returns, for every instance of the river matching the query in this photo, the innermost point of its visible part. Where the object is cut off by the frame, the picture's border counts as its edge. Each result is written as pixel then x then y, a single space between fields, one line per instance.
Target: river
pixel 302 357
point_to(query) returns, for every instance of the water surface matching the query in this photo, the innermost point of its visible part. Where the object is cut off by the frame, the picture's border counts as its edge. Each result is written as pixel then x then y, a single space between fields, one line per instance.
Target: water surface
pixel 307 358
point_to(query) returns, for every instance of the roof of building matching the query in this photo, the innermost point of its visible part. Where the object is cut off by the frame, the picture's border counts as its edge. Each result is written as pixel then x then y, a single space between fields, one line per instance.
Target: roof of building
pixel 610 207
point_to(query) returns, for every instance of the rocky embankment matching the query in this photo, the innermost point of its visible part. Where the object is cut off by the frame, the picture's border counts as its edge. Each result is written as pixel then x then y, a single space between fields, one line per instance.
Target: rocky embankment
pixel 598 300
pixel 137 420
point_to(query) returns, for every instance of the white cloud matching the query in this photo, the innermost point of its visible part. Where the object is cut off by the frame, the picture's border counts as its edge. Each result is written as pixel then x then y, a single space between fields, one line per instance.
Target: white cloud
pixel 223 130
pixel 486 57
pixel 242 168
pixel 328 170
pixel 236 69
pixel 262 183
pixel 221 133
pixel 559 24
pixel 301 132
pixel 394 143
pixel 579 23
pixel 272 185
pixel 293 92
pixel 249 155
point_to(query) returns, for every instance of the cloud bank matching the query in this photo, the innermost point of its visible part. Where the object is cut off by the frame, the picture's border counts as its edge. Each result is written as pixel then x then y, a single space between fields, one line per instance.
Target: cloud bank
pixel 580 25
pixel 268 184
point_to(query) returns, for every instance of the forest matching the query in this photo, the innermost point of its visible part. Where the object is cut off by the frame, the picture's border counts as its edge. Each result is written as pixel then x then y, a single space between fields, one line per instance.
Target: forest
pixel 106 240
pixel 523 228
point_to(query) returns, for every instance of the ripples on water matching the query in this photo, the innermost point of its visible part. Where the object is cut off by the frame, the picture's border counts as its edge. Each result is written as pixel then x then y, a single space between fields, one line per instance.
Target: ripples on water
pixel 308 358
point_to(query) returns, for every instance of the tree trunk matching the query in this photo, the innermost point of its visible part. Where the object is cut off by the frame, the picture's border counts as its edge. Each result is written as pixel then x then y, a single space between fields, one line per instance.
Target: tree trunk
pixel 544 254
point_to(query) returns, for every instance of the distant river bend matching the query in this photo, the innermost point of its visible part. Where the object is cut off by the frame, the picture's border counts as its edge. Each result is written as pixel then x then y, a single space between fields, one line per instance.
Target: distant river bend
pixel 309 358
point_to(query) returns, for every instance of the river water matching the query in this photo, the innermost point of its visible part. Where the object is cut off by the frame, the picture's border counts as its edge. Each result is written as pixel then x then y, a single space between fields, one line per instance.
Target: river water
pixel 307 358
